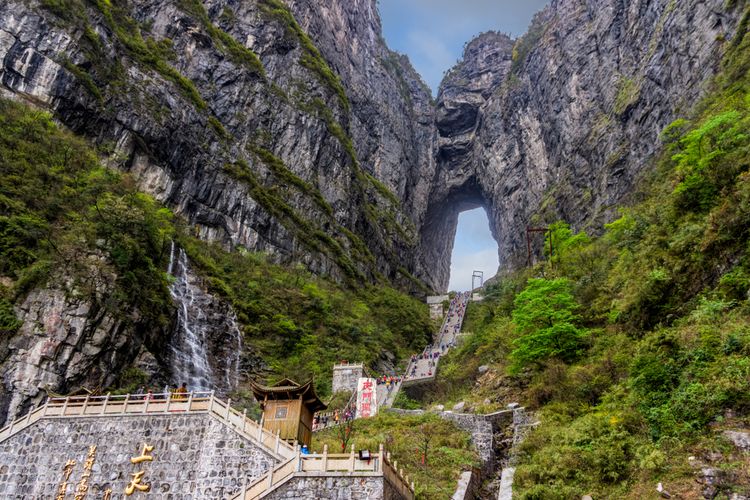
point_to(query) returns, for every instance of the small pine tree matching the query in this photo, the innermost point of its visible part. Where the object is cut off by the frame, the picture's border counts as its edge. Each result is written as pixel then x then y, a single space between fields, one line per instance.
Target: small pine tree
pixel 544 316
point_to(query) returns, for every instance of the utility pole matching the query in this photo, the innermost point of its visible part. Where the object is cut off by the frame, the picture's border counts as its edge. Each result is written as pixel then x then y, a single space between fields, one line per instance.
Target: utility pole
pixel 477 275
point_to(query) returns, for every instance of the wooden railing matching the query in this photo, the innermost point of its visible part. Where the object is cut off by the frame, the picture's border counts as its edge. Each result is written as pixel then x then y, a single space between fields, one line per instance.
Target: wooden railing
pixel 318 464
pixel 153 404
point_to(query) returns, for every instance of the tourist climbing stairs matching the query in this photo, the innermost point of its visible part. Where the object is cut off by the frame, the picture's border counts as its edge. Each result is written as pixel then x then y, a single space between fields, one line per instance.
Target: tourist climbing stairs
pixel 422 367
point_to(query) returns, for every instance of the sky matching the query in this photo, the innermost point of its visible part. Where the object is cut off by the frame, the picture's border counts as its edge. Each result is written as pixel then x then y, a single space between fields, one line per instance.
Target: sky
pixel 473 250
pixel 433 33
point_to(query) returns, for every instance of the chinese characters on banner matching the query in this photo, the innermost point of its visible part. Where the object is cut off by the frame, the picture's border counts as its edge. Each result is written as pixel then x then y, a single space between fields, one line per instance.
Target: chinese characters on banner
pixel 367 405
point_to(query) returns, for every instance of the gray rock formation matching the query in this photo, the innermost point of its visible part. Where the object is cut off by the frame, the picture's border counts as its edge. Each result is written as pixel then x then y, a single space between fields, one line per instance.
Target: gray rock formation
pixel 561 123
pixel 330 151
pixel 178 128
pixel 557 124
pixel 68 341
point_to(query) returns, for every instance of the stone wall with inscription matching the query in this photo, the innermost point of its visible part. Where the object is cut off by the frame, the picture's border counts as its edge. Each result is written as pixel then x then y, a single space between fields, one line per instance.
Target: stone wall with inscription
pixel 188 457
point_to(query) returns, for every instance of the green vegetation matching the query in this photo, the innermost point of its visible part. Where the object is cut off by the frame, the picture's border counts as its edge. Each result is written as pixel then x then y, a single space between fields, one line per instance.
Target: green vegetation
pixel 650 362
pixel 9 324
pixel 60 209
pixel 628 92
pixel 311 57
pixel 288 177
pixel 447 449
pixel 85 78
pixel 526 44
pixel 545 320
pixel 128 32
pixel 301 325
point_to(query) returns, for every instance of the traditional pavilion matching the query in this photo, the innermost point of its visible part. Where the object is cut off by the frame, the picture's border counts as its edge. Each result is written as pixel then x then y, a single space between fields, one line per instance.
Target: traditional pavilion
pixel 288 407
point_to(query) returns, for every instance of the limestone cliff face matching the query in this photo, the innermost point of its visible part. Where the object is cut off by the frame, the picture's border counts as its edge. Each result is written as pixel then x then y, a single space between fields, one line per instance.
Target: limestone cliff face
pixel 291 128
pixel 366 174
pixel 177 103
pixel 70 341
pixel 561 123
pixel 316 152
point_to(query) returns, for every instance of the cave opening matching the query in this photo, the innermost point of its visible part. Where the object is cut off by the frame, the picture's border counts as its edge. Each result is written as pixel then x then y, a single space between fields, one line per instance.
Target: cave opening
pixel 458 235
pixel 474 249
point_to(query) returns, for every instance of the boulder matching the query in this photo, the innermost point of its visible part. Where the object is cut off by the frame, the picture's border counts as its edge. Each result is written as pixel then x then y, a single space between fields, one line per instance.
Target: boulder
pixel 739 439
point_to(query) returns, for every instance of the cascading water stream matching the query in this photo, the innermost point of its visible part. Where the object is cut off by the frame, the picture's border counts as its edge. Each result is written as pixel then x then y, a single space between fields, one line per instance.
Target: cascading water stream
pixel 189 344
pixel 206 342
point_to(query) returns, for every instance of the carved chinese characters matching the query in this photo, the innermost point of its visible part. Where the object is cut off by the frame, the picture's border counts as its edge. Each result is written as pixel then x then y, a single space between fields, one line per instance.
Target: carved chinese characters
pixel 136 483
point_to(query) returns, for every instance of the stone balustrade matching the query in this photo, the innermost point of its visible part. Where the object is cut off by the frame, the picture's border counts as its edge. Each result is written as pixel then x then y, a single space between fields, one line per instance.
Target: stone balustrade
pixel 151 404
pixel 331 464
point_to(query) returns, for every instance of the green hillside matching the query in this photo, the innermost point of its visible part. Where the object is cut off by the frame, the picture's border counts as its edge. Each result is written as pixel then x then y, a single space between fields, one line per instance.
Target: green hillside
pixel 633 346
pixel 66 220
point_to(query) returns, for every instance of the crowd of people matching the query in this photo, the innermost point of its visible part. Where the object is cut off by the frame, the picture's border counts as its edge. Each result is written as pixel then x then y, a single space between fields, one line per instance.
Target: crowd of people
pixel 420 365
pixel 389 381
pixel 323 420
pixel 174 392
pixel 447 339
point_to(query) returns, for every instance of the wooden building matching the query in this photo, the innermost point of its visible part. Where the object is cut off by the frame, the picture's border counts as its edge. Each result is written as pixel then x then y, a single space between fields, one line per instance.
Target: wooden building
pixel 289 408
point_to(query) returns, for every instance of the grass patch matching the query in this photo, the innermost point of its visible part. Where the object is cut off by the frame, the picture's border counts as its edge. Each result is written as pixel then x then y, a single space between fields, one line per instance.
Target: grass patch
pixel 449 450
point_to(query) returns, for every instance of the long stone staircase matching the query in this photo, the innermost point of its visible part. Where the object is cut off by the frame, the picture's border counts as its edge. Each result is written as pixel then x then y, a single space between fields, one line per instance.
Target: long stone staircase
pixel 423 368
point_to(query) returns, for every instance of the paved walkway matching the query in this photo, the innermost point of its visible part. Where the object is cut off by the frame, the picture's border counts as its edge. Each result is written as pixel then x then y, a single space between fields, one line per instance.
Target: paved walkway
pixel 422 367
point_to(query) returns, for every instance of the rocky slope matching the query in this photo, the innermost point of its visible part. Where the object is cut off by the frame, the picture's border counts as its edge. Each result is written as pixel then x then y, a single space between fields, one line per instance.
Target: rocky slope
pixel 291 129
pixel 561 123
pixel 176 98
pixel 363 175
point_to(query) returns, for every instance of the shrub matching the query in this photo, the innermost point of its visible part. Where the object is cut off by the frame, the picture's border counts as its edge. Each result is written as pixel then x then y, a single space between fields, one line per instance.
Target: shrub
pixel 545 320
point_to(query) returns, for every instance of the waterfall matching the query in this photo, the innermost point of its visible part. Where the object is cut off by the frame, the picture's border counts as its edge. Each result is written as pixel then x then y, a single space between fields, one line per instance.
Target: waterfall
pixel 206 343
pixel 232 368
pixel 188 349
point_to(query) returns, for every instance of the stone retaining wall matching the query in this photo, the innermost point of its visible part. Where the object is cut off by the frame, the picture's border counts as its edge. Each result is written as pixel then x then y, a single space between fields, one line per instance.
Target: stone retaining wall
pixel 194 456
pixel 335 487
pixel 468 485
pixel 345 377
pixel 481 427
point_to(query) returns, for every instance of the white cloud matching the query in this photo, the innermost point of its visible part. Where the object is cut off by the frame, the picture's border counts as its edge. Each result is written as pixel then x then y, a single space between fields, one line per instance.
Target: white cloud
pixel 430 55
pixel 463 266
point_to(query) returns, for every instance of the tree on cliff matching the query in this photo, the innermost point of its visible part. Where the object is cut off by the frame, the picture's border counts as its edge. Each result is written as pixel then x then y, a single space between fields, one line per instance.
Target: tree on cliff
pixel 545 319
